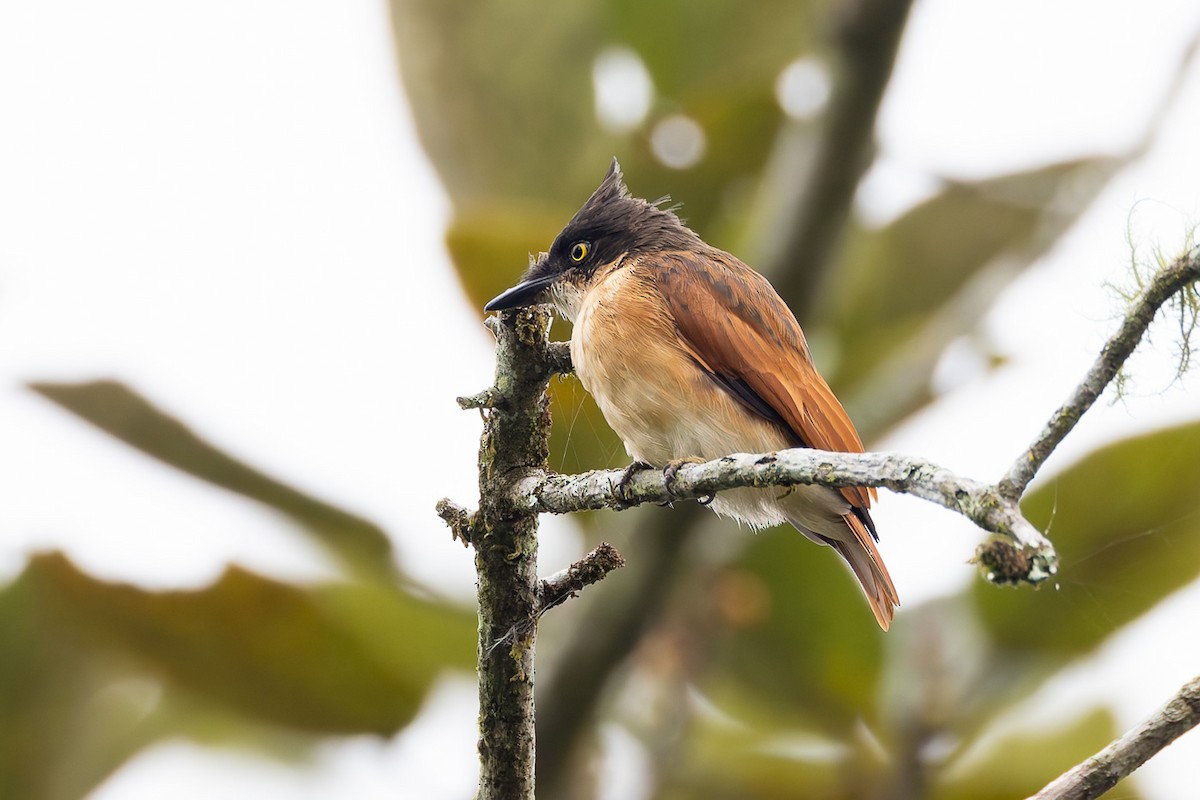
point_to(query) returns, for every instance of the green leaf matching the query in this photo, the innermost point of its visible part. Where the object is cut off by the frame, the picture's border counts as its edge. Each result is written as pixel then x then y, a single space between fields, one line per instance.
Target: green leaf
pixel 123 413
pixel 44 684
pixel 504 101
pixel 898 294
pixel 1022 762
pixel 728 761
pixel 504 104
pixel 92 672
pixel 1126 523
pixel 334 659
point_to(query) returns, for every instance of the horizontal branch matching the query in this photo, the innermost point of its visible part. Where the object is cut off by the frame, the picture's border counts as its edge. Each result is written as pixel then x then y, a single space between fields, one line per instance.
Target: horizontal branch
pixel 1184 271
pixel 1104 770
pixel 1031 557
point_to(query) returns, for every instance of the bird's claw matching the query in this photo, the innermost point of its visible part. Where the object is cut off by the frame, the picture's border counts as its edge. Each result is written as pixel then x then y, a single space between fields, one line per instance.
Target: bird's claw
pixel 671 472
pixel 622 489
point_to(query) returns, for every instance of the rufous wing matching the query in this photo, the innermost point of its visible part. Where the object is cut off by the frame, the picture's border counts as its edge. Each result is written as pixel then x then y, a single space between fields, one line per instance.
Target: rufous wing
pixel 738 329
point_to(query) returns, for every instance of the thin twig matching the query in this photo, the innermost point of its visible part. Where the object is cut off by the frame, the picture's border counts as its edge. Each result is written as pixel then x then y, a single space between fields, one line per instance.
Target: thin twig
pixel 1166 283
pixel 459 519
pixel 557 588
pixel 558 358
pixel 478 400
pixel 1104 770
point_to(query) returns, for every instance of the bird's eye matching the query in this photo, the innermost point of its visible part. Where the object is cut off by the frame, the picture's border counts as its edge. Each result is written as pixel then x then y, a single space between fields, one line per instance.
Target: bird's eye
pixel 579 251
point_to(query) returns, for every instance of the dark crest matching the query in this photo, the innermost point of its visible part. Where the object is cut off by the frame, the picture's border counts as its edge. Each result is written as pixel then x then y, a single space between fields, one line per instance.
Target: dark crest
pixel 615 222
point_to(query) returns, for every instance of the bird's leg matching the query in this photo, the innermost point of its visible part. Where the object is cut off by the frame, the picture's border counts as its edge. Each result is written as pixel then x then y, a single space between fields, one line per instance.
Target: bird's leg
pixel 672 469
pixel 623 485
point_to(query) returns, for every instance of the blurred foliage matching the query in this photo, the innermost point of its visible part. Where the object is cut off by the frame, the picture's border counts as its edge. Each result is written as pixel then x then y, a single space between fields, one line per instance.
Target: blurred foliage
pixel 1119 556
pixel 359 544
pixel 761 676
pixel 91 672
pixel 899 293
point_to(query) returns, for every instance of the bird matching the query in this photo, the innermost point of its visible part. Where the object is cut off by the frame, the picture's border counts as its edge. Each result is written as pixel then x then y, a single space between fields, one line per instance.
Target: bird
pixel 692 355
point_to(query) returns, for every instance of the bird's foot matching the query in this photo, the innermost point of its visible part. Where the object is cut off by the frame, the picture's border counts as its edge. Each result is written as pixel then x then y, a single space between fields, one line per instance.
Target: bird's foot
pixel 622 489
pixel 669 474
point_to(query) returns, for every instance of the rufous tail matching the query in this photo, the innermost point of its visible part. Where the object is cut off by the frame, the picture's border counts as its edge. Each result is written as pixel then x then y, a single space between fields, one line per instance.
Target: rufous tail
pixel 864 559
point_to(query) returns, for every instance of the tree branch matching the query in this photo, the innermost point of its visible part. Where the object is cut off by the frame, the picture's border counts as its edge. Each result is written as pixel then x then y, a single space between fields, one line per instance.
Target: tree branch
pixel 1035 559
pixel 564 584
pixel 1185 270
pixel 460 520
pixel 1104 770
pixel 515 440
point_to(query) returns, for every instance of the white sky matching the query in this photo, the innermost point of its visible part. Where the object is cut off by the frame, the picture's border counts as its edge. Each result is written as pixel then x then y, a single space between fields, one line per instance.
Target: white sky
pixel 224 205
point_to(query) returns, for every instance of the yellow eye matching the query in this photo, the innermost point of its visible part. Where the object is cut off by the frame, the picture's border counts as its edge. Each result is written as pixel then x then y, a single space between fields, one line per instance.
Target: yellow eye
pixel 579 251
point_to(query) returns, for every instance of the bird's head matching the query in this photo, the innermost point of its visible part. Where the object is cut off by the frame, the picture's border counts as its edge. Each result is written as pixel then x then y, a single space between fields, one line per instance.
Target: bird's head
pixel 611 225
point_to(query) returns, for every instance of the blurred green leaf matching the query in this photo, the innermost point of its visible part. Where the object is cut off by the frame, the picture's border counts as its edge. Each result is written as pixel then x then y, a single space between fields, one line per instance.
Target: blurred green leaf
pixel 91 672
pixel 504 102
pixel 1022 762
pixel 497 243
pixel 784 595
pixel 728 761
pixel 1126 523
pixel 44 687
pixel 897 295
pixel 414 639
pixel 295 657
pixel 123 413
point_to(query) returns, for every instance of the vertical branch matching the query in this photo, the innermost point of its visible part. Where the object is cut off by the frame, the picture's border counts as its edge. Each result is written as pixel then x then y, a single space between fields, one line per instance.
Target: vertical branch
pixel 514 442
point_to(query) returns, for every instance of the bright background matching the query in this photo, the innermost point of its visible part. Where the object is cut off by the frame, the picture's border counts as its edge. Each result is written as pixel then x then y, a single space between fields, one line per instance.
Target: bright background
pixel 225 205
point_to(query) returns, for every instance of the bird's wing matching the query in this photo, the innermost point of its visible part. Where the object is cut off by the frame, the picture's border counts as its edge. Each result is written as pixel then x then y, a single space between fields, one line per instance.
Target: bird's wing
pixel 741 333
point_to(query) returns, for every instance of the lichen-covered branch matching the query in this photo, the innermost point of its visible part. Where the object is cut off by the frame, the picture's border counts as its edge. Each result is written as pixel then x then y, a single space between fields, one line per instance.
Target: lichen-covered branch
pixel 1104 770
pixel 459 520
pixel 514 444
pixel 1033 562
pixel 1184 271
pixel 565 583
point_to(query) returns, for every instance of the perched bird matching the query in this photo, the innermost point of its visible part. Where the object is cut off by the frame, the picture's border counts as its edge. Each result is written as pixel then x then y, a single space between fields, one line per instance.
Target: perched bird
pixel 690 354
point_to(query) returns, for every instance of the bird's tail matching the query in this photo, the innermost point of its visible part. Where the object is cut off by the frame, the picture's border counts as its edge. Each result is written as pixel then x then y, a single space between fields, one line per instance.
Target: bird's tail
pixel 860 552
pixel 864 559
